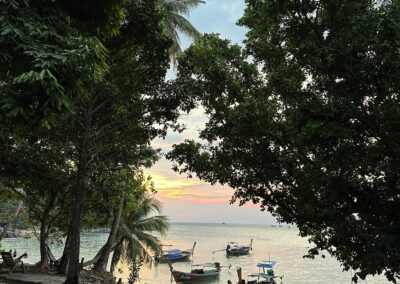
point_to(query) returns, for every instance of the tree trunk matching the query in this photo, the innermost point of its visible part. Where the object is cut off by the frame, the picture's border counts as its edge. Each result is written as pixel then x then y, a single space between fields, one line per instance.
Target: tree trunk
pixel 80 195
pixel 66 255
pixel 3 233
pixel 43 244
pixel 44 233
pixel 101 264
pixel 75 224
pixel 95 258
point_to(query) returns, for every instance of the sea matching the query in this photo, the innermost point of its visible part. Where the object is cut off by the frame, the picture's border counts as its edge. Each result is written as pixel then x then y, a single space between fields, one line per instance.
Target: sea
pixel 280 243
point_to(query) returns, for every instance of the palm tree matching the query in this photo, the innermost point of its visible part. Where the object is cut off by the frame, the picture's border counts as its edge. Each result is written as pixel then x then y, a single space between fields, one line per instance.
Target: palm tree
pixel 176 22
pixel 135 239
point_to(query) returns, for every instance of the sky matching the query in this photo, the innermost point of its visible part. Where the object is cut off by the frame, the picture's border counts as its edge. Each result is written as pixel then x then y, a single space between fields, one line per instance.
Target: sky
pixel 192 200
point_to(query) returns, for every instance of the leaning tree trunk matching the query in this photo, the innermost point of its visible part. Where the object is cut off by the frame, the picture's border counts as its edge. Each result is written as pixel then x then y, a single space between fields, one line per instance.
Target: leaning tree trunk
pixel 80 196
pixel 3 233
pixel 101 264
pixel 44 233
pixel 66 255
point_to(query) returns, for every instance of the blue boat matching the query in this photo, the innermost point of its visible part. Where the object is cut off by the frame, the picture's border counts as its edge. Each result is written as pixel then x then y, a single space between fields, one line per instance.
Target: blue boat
pixel 176 254
pixel 234 249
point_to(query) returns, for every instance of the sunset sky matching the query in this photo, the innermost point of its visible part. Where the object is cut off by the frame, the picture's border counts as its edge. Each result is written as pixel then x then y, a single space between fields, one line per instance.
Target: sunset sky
pixel 191 200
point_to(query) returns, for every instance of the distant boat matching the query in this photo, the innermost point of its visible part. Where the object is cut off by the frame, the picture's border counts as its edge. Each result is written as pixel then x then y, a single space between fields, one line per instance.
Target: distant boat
pixel 199 272
pixel 234 249
pixel 176 254
pixel 223 223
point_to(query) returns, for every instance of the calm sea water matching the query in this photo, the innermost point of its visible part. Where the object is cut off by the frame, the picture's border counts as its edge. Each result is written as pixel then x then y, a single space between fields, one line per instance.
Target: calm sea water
pixel 281 244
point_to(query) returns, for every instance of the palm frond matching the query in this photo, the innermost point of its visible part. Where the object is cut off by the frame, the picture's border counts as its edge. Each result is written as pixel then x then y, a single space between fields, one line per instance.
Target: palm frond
pixel 157 224
pixel 181 6
pixel 152 243
pixel 174 9
pixel 117 256
pixel 184 26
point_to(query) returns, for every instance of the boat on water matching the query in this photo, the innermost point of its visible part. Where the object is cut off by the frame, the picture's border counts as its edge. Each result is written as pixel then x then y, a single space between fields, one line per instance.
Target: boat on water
pixel 265 275
pixel 234 249
pixel 198 272
pixel 176 254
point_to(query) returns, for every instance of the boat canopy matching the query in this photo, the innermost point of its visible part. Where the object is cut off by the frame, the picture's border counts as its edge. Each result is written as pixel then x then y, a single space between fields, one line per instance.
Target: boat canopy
pixel 266 263
pixel 174 251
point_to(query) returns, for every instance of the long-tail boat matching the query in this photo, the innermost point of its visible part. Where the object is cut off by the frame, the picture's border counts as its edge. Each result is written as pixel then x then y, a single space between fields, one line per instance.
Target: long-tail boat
pixel 265 275
pixel 234 249
pixel 199 272
pixel 176 254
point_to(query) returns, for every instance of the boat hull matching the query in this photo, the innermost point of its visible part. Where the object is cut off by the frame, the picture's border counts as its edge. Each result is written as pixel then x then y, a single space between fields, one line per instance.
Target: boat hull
pixel 184 256
pixel 185 277
pixel 244 251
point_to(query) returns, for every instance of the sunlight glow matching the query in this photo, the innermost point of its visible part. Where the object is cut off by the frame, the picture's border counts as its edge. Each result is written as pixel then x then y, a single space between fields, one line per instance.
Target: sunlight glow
pixel 189 189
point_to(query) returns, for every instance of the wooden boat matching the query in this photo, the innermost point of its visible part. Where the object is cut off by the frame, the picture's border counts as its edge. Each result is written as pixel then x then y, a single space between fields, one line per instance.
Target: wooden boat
pixel 265 275
pixel 234 249
pixel 176 254
pixel 199 272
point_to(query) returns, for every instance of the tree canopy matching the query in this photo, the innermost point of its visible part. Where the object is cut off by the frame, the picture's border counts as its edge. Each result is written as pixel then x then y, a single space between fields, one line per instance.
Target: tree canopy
pixel 305 121
pixel 81 97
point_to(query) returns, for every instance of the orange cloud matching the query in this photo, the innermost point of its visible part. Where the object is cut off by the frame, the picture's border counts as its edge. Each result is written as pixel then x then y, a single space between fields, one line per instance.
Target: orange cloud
pixel 189 189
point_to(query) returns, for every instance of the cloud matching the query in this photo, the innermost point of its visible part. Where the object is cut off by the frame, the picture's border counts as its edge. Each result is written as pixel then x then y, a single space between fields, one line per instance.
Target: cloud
pixel 175 187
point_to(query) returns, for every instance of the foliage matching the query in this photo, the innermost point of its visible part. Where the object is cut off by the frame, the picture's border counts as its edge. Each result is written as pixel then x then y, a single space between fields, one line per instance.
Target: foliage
pixel 305 121
pixel 176 22
pixel 42 170
pixel 43 58
pixel 82 94
pixel 134 272
pixel 135 240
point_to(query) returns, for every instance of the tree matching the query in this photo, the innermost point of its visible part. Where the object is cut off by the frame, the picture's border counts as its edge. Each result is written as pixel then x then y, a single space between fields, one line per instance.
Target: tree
pixel 103 116
pixel 135 240
pixel 130 187
pixel 175 22
pixel 41 170
pixel 113 127
pixel 123 111
pixel 134 221
pixel 306 121
pixel 47 50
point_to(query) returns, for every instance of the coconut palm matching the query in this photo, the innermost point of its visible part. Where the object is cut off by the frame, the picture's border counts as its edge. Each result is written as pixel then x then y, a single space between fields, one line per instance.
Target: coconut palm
pixel 175 10
pixel 135 239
